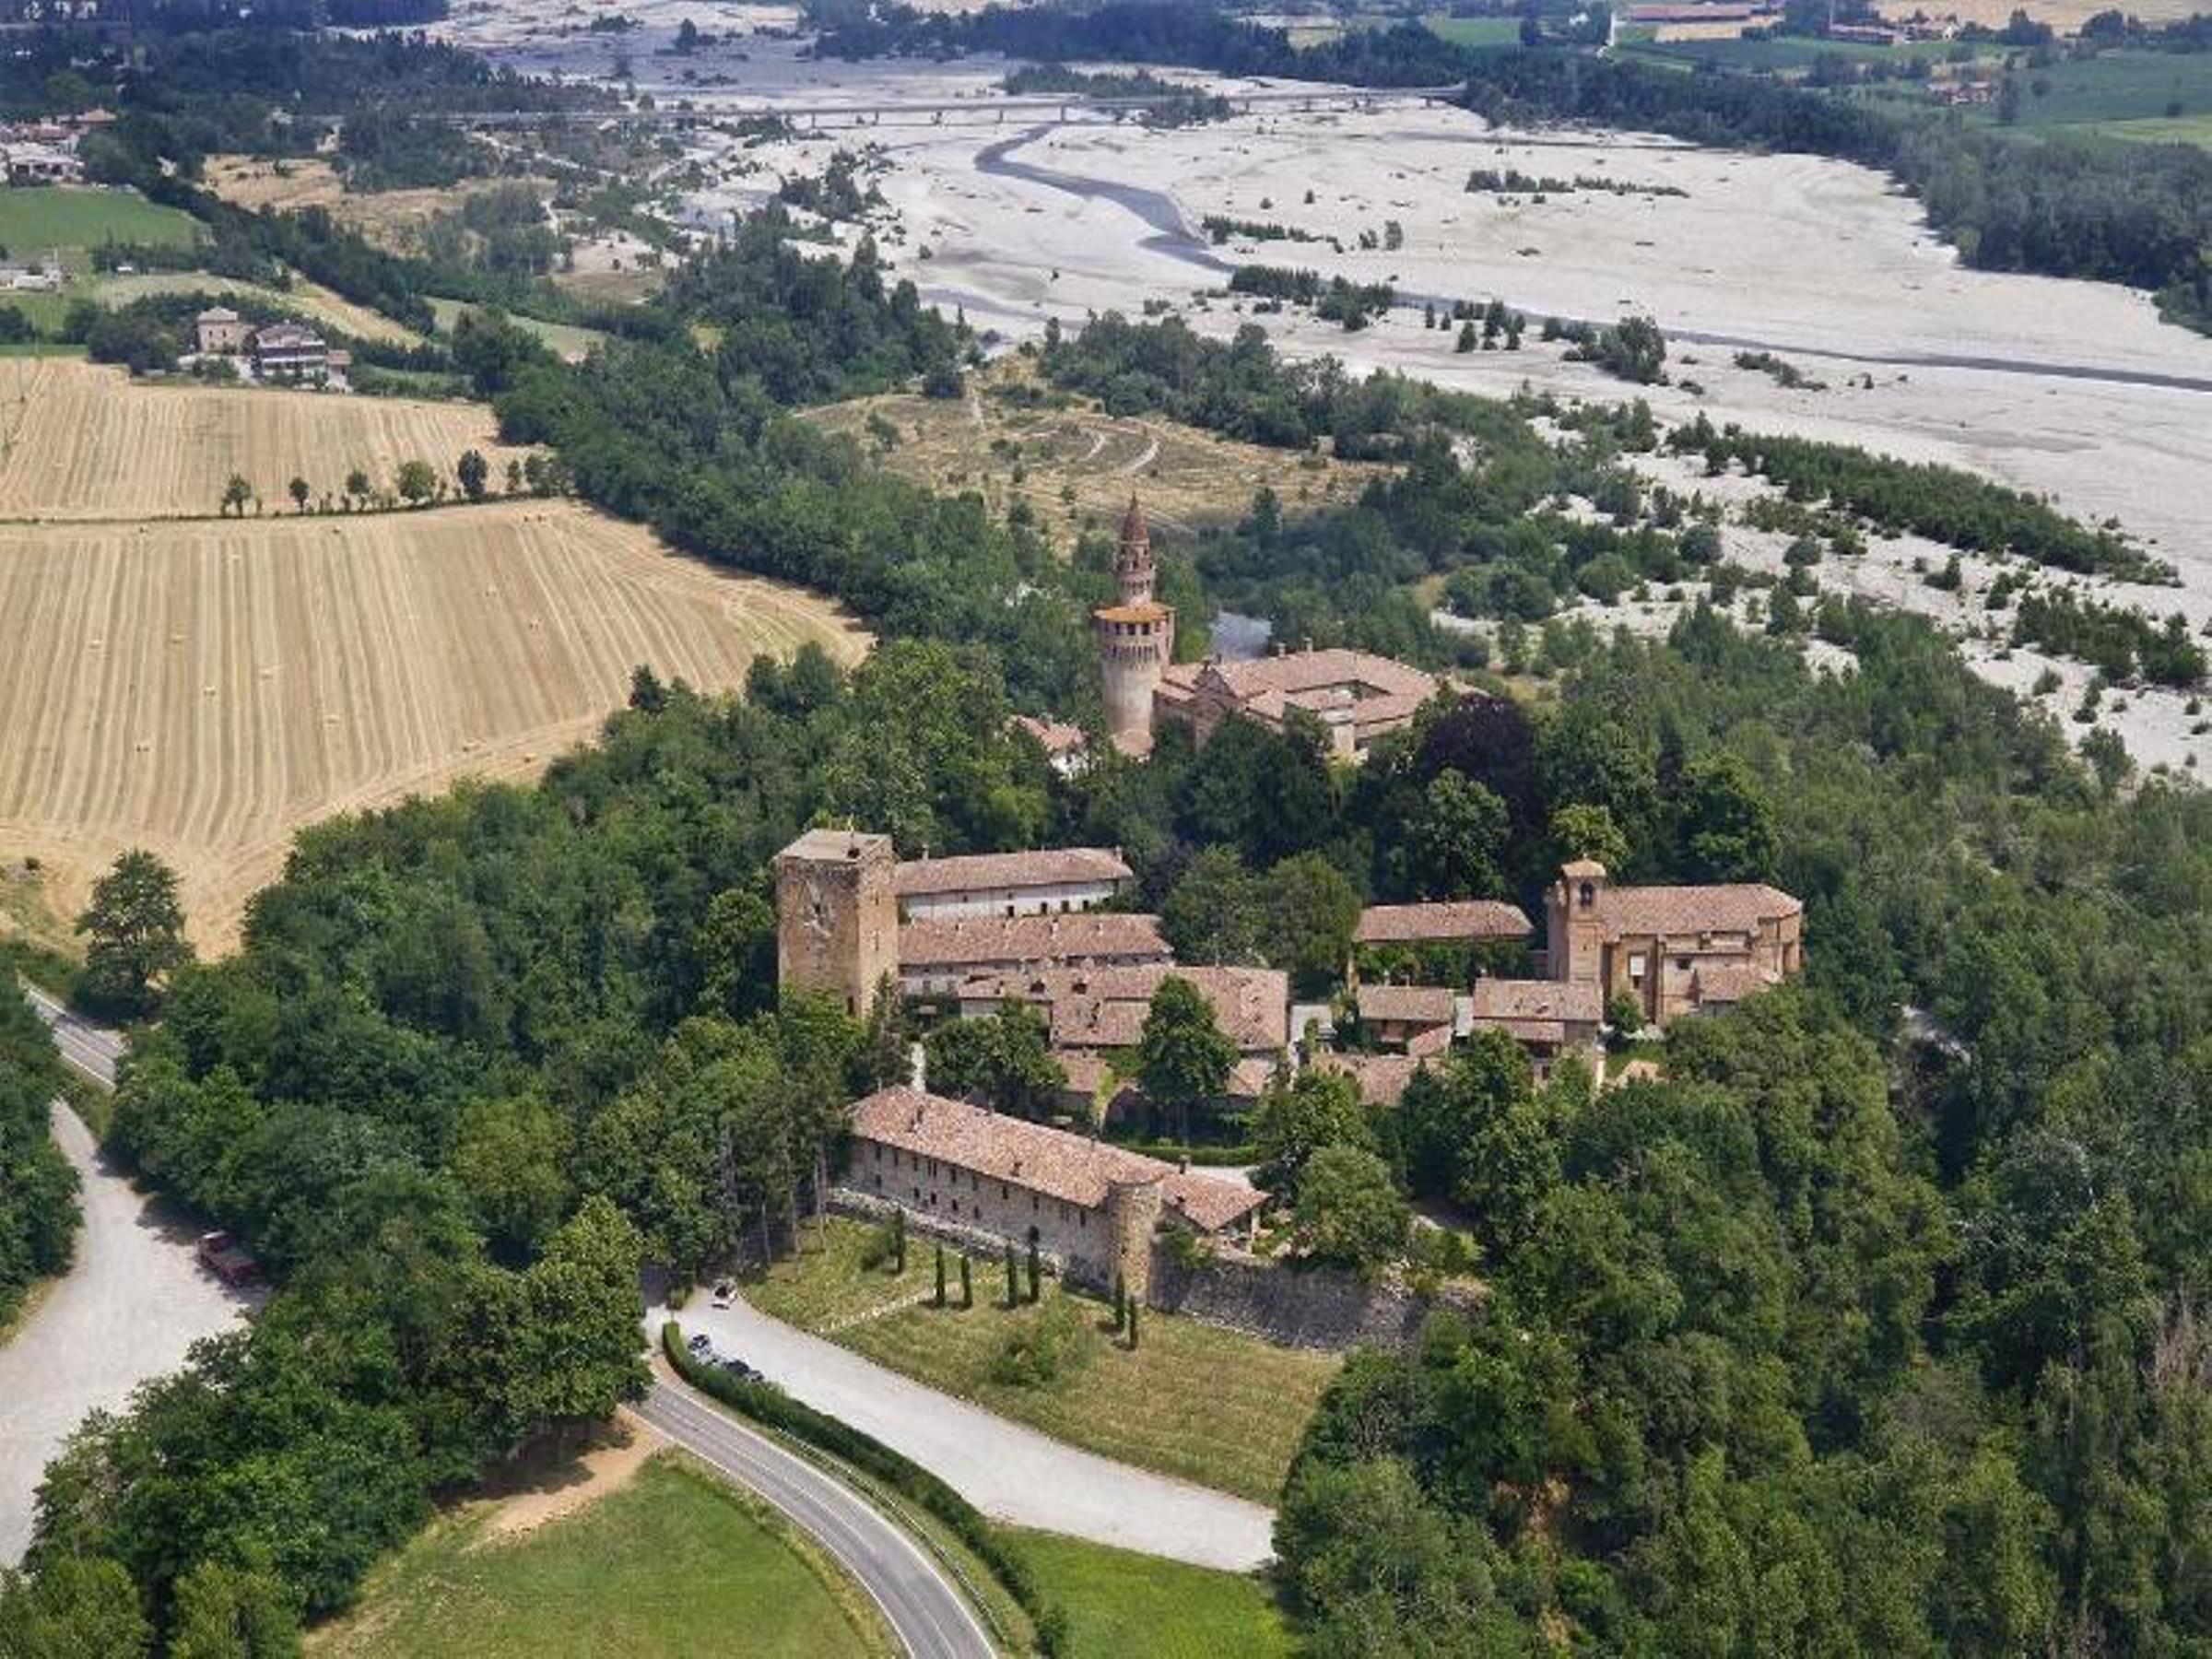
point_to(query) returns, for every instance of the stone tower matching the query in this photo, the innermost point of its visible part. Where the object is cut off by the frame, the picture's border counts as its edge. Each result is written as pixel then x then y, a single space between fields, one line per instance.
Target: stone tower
pixel 1131 1214
pixel 1136 638
pixel 1574 931
pixel 837 916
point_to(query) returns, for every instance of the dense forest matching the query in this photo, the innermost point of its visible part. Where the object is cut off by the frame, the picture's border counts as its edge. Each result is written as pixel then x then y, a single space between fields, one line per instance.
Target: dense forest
pixel 2138 214
pixel 38 1188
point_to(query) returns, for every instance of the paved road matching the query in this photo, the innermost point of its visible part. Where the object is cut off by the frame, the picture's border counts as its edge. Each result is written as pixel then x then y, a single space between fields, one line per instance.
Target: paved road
pixel 930 1616
pixel 91 1049
pixel 1006 1470
pixel 132 1303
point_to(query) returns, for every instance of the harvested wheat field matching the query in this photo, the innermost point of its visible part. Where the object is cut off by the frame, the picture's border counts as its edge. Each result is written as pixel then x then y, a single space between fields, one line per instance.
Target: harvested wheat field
pixel 83 440
pixel 394 220
pixel 1076 465
pixel 206 688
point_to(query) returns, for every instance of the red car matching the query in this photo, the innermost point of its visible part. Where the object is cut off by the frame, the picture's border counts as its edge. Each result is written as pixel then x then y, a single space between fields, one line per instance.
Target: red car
pixel 219 1254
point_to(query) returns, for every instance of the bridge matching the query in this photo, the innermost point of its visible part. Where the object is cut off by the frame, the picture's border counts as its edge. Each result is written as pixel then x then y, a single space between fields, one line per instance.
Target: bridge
pixel 981 112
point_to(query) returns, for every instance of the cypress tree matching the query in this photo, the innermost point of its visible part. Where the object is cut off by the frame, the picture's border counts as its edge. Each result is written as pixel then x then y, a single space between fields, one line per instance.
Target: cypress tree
pixel 940 1276
pixel 1036 1272
pixel 1132 1325
pixel 897 1240
pixel 1121 1304
pixel 1013 1276
pixel 966 1285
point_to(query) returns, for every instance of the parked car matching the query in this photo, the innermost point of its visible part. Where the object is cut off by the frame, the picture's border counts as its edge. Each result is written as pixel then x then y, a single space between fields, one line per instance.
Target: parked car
pixel 725 1294
pixel 742 1371
pixel 220 1254
pixel 700 1343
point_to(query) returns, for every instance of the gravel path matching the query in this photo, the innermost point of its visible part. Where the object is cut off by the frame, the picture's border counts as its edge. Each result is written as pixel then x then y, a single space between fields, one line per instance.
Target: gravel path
pixel 128 1309
pixel 1005 1469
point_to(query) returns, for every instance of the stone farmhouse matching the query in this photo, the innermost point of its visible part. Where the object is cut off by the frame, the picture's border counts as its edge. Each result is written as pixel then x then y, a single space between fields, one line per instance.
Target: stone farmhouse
pixel 1356 695
pixel 1008 884
pixel 1549 1018
pixel 283 352
pixel 1672 950
pixel 1090 1207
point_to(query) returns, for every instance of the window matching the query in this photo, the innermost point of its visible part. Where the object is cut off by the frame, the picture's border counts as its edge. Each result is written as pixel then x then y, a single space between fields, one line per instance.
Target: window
pixel 1002 1192
pixel 1636 967
pixel 1681 964
pixel 1588 894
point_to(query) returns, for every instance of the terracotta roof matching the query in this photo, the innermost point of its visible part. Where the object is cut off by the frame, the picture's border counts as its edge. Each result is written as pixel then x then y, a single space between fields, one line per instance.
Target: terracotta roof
pixel 1072 1168
pixel 1724 984
pixel 216 313
pixel 1505 999
pixel 987 872
pixel 1734 907
pixel 1583 869
pixel 1105 1007
pixel 1381 1077
pixel 1056 737
pixel 286 334
pixel 1297 672
pixel 951 941
pixel 1416 1004
pixel 1437 924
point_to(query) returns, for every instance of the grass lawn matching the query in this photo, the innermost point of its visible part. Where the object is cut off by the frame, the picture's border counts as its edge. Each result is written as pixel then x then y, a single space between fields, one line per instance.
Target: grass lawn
pixel 673 1564
pixel 1121 1603
pixel 36 218
pixel 1480 32
pixel 1257 1396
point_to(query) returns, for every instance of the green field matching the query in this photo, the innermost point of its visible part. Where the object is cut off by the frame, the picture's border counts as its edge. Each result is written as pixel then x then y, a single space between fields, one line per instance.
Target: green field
pixel 1258 1396
pixel 1120 1603
pixel 1479 32
pixel 566 338
pixel 2121 94
pixel 1789 55
pixel 38 219
pixel 675 1563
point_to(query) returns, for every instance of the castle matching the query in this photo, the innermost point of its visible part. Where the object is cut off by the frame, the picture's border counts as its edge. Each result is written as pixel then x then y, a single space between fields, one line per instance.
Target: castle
pixel 1136 638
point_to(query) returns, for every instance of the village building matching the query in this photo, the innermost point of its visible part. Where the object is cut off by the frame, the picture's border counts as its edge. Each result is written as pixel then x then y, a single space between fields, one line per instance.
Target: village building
pixel 220 332
pixel 1136 639
pixel 1357 696
pixel 1549 1018
pixel 25 277
pixel 1066 750
pixel 1090 1209
pixel 1418 1019
pixel 1053 881
pixel 1671 950
pixel 1381 1079
pixel 40 164
pixel 1448 938
pixel 939 955
pixel 289 351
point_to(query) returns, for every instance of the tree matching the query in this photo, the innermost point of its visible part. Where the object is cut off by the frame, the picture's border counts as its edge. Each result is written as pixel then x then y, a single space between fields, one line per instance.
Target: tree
pixel 510 1153
pixel 940 1296
pixel 237 492
pixel 76 1607
pixel 1349 1211
pixel 1216 912
pixel 1727 827
pixel 474 473
pixel 227 1612
pixel 358 485
pixel 1013 1276
pixel 1455 841
pixel 417 482
pixel 572 1351
pixel 299 489
pixel 135 928
pixel 1579 831
pixel 1183 1058
pixel 1005 1059
pixel 1475 1133
pixel 1036 1272
pixel 1297 1119
pixel 1313 910
pixel 966 1282
pixel 514 478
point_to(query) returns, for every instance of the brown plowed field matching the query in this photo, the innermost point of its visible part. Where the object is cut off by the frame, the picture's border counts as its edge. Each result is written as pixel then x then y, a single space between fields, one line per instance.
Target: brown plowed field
pixel 204 688
pixel 83 440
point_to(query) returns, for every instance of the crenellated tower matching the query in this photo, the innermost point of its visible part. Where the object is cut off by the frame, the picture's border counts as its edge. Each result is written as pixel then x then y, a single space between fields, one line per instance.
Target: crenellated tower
pixel 1136 638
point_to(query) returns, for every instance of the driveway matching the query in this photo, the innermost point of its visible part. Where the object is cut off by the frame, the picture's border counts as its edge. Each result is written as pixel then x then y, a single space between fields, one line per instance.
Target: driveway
pixel 1009 1472
pixel 929 1614
pixel 131 1304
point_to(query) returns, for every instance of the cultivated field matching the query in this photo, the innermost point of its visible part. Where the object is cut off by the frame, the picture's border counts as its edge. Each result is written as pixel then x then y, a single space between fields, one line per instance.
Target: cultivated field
pixel 391 219
pixel 35 220
pixel 81 441
pixel 1076 466
pixel 204 688
pixel 310 300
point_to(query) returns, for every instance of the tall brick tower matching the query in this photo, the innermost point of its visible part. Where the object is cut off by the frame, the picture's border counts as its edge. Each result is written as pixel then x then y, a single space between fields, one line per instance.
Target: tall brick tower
pixel 1136 639
pixel 837 916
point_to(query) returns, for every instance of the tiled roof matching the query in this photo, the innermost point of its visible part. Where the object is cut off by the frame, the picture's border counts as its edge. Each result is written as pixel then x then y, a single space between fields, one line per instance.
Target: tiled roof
pixel 989 872
pixel 1308 671
pixel 1105 1007
pixel 1416 923
pixel 826 845
pixel 286 334
pixel 1504 999
pixel 1056 737
pixel 1072 1168
pixel 1736 908
pixel 951 941
pixel 1147 612
pixel 1381 1077
pixel 1416 1004
pixel 1726 983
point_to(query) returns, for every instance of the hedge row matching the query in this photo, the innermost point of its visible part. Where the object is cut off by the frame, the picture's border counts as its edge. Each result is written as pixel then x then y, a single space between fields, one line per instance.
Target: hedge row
pixel 767 1403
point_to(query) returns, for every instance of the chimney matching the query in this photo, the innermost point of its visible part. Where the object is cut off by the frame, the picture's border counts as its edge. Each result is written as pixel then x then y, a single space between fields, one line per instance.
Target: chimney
pixel 1308 644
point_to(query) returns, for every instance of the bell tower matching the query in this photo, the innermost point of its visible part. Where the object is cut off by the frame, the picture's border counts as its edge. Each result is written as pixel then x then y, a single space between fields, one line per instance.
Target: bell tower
pixel 837 916
pixel 1136 638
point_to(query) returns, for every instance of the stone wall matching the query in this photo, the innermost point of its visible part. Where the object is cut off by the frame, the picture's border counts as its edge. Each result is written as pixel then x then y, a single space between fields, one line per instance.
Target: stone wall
pixel 1311 1308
